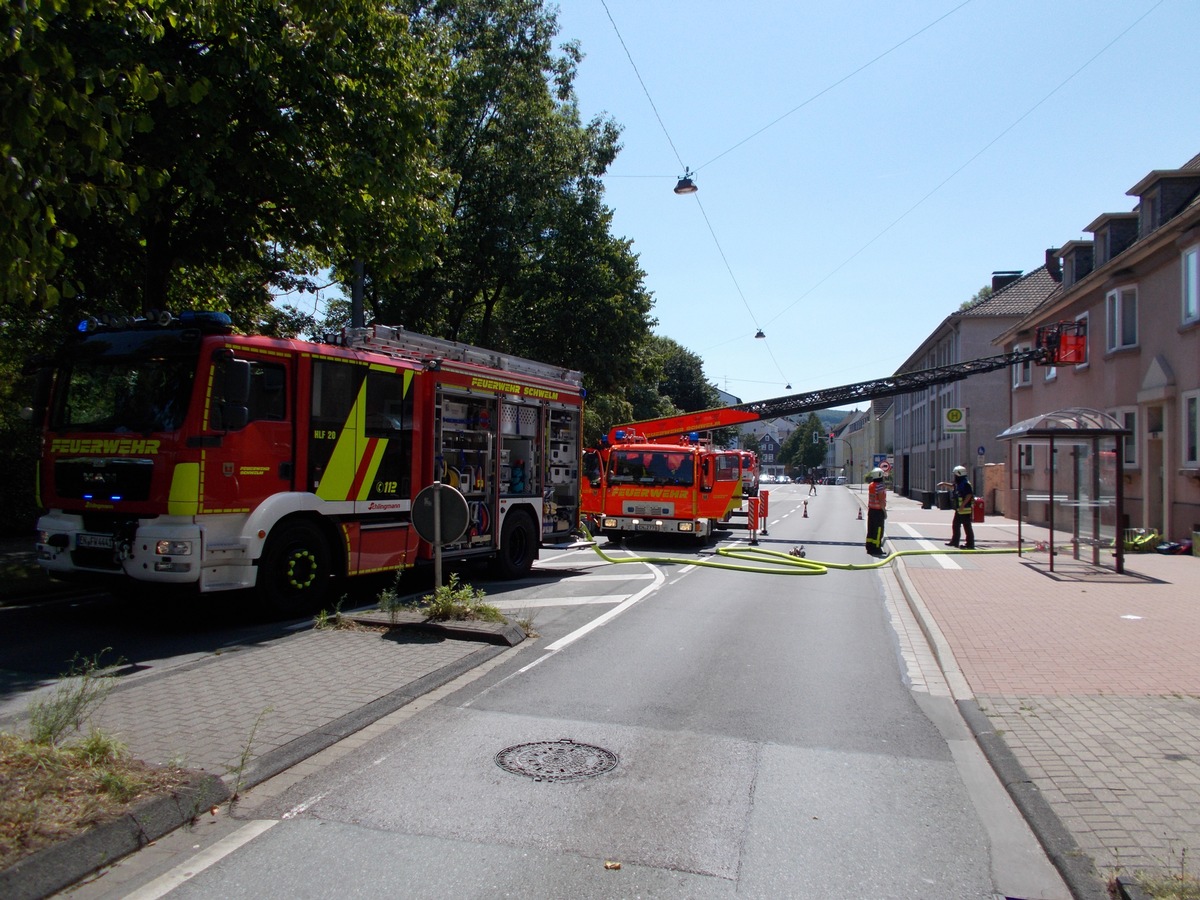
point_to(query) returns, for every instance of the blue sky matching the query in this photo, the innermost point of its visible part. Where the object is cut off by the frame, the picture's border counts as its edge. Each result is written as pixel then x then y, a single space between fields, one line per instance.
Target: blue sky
pixel 883 198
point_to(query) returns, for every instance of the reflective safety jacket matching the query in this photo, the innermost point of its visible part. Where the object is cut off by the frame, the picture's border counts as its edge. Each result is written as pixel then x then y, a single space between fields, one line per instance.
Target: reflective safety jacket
pixel 964 496
pixel 877 496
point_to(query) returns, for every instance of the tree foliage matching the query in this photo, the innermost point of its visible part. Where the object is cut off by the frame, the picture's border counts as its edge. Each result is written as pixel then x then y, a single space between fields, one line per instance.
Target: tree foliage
pixel 150 148
pixel 807 446
pixel 527 262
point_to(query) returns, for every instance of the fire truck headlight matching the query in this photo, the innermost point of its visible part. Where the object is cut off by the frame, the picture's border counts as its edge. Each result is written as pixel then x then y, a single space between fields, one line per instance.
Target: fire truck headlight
pixel 173 548
pixel 687 526
pixel 610 523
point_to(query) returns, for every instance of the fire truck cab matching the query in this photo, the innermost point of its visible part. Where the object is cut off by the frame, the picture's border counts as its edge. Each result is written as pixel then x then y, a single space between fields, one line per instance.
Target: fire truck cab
pixel 640 486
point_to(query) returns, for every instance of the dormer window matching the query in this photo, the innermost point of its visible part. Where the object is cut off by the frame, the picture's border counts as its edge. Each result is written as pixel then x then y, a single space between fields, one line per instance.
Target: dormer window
pixel 1151 212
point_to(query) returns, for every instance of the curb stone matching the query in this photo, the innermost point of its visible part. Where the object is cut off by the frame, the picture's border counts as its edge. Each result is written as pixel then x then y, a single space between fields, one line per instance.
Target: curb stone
pixel 1128 888
pixel 63 864
pixel 1076 868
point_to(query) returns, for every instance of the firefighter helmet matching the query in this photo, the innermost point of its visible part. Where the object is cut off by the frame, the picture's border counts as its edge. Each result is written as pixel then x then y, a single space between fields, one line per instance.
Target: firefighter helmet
pixel 875 474
pixel 960 471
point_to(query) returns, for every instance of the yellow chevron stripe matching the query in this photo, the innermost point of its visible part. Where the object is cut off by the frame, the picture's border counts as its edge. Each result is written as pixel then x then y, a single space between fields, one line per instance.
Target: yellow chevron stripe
pixel 338 477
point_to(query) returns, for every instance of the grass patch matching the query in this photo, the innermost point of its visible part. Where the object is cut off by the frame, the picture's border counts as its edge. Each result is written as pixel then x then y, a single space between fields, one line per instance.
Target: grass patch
pixel 49 793
pixel 1172 882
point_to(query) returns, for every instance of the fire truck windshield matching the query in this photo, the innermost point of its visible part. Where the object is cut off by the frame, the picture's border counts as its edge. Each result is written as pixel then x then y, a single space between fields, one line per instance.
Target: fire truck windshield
pixel 123 395
pixel 654 467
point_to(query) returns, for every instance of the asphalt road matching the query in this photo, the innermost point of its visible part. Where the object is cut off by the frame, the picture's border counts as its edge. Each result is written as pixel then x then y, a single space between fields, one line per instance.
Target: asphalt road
pixel 762 734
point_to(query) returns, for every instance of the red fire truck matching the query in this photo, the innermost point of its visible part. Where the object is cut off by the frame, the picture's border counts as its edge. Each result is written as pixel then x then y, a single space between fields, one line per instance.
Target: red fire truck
pixel 178 452
pixel 682 487
pixel 622 494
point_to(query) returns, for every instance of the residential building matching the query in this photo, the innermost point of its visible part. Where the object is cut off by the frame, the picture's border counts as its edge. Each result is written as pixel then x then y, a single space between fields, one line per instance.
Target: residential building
pixel 1134 287
pixel 938 428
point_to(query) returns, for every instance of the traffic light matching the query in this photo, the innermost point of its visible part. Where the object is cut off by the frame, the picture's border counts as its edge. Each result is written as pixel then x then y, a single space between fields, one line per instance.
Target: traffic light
pixel 816 438
pixel 831 437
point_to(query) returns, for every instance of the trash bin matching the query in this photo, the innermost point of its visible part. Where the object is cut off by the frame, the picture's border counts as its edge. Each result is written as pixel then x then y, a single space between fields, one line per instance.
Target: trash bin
pixel 926 499
pixel 945 500
pixel 977 510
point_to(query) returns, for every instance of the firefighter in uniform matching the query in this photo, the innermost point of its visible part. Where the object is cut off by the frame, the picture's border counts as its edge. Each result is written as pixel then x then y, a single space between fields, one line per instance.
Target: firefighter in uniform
pixel 876 512
pixel 964 507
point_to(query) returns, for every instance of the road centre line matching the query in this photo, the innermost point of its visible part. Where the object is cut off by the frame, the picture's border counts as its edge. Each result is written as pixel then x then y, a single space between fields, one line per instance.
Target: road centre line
pixel 943 559
pixel 186 870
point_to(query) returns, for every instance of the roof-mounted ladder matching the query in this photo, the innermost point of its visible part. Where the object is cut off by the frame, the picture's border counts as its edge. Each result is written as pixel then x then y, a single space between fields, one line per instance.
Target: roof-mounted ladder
pixel 395 340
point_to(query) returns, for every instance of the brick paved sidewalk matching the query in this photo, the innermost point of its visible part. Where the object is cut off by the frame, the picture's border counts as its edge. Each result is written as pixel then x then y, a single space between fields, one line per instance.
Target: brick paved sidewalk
pixel 1092 680
pixel 258 709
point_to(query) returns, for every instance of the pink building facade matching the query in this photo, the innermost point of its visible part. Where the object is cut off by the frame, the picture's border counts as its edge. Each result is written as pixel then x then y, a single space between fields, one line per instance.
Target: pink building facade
pixel 1135 288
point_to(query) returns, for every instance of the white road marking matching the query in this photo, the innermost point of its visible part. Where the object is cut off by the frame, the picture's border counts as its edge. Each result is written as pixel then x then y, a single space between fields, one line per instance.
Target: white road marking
pixel 945 560
pixel 188 869
pixel 537 602
pixel 645 592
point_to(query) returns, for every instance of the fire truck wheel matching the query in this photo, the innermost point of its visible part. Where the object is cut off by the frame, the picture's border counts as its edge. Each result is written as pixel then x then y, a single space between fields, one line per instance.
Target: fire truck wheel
pixel 518 545
pixel 295 571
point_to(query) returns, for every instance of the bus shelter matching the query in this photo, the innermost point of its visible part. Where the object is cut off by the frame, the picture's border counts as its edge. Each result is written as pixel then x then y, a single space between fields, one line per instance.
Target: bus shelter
pixel 1071 461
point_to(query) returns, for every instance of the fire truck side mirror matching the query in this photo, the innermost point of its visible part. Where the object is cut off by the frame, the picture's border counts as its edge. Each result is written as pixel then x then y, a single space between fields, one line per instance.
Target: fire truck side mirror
pixel 591 467
pixel 706 474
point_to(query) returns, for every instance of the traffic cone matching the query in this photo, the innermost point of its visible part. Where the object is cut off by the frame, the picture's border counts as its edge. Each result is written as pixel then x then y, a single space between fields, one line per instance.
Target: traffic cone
pixel 805 516
pixel 860 514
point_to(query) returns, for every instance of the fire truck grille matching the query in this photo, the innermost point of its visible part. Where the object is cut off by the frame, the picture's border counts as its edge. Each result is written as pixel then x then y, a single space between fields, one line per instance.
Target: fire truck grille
pixel 103 479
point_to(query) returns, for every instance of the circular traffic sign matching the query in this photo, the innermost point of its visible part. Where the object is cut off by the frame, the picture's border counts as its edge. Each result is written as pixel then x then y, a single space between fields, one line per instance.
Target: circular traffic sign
pixel 885 466
pixel 452 513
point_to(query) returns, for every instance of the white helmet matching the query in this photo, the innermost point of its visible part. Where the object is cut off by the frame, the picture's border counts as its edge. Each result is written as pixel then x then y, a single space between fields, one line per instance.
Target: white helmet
pixel 960 471
pixel 875 474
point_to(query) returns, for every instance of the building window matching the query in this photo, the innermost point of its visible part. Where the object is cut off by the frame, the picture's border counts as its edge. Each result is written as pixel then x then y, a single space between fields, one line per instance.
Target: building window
pixel 1127 416
pixel 1082 320
pixel 1191 284
pixel 1191 429
pixel 1022 372
pixel 1025 457
pixel 1121 318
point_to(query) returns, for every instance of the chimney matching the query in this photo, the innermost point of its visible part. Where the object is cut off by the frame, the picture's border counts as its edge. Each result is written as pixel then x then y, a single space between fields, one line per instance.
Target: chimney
pixel 1001 280
pixel 1053 264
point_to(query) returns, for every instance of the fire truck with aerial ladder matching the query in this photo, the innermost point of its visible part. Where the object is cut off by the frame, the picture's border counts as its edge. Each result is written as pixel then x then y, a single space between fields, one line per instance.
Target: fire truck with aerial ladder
pixel 659 476
pixel 176 452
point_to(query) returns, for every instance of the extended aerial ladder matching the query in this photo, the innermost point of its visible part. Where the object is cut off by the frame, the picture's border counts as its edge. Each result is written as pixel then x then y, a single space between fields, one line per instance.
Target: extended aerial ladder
pixel 1062 343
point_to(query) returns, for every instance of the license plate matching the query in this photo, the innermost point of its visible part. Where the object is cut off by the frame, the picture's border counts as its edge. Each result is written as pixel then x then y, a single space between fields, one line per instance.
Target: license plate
pixel 95 541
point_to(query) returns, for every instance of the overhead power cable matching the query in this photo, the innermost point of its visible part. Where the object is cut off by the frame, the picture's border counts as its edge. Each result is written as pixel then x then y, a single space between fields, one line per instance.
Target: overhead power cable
pixel 679 159
pixel 841 80
pixel 941 184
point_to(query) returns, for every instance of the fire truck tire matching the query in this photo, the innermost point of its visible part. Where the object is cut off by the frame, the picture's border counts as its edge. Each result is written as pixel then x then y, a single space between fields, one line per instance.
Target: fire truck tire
pixel 295 573
pixel 518 545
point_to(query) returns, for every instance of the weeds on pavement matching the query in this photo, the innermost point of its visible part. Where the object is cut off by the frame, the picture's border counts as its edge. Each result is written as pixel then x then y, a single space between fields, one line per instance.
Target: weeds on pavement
pixel 455 600
pixel 1172 882
pixel 82 689
pixel 238 770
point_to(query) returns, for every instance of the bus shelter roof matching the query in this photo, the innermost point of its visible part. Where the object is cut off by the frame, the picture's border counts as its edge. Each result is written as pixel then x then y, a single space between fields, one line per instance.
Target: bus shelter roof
pixel 1078 422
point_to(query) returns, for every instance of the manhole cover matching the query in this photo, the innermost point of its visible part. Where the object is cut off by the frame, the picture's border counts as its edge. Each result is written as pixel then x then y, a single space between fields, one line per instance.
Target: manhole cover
pixel 562 760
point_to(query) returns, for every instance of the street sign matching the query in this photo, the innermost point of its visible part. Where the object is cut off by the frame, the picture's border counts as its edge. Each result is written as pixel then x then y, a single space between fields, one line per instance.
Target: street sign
pixel 954 421
pixel 981 451
pixel 452 513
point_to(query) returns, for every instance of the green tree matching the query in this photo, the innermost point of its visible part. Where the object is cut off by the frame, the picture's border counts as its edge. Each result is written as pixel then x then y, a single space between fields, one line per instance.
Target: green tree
pixel 980 295
pixel 806 447
pixel 527 262
pixel 151 150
